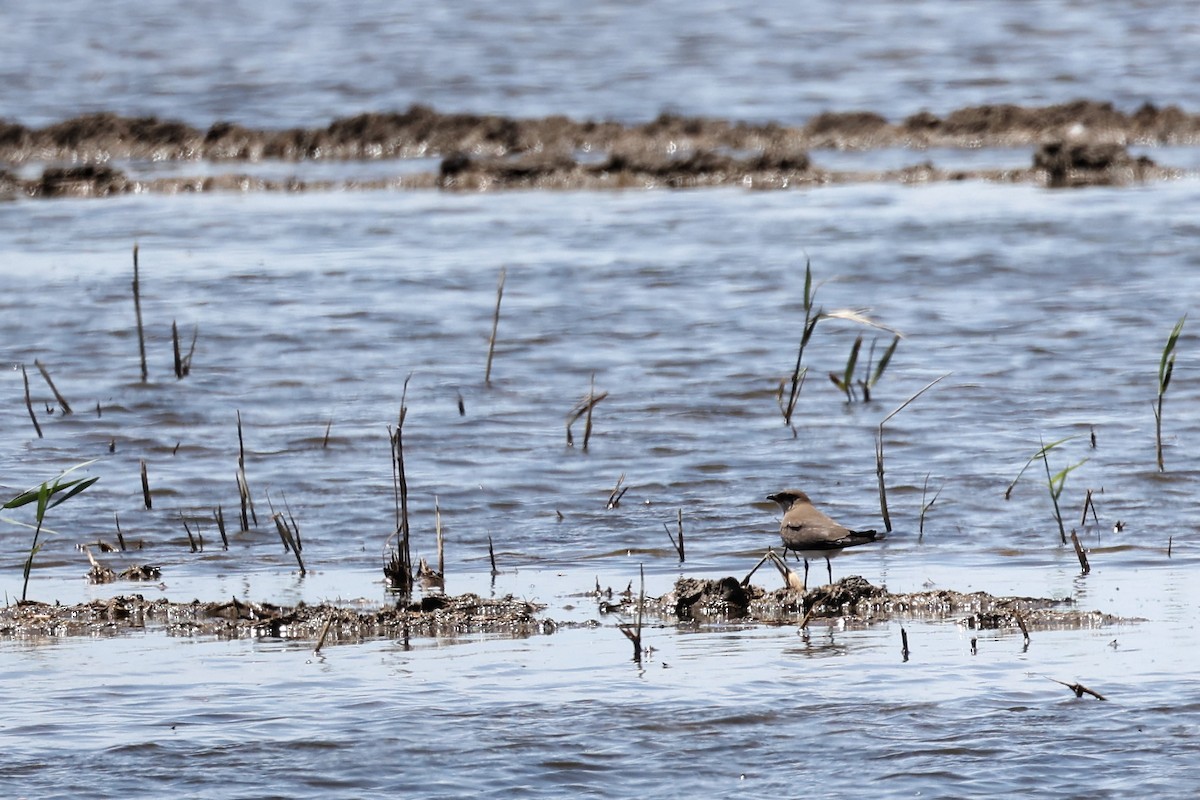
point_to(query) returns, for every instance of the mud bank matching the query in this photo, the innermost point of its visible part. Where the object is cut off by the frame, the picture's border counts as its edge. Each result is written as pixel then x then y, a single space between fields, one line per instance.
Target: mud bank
pixel 693 602
pixel 1083 142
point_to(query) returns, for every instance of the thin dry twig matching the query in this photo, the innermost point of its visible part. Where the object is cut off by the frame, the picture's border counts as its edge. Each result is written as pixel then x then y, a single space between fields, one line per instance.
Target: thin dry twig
pixel 62 401
pixel 137 308
pixel 29 403
pixel 487 375
pixel 1078 688
pixel 1080 554
pixel 614 497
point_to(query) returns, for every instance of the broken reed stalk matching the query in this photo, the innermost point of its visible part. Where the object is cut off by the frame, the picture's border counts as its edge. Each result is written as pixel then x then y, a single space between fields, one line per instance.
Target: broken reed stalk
pixel 1021 624
pixel 289 541
pixel 492 557
pixel 1078 688
pixel 145 485
pixel 219 515
pixel 812 606
pixel 614 497
pixel 191 539
pixel 1088 503
pixel 324 632
pixel 904 645
pixel 587 426
pixel 295 526
pixel 325 441
pixel 581 408
pixel 1080 554
pixel 487 375
pixel 883 508
pixel 186 364
pixel 120 536
pixel 62 401
pixel 29 403
pixel 678 543
pixel 137 308
pixel 634 632
pixel 1166 366
pixel 400 570
pixel 437 529
pixel 175 346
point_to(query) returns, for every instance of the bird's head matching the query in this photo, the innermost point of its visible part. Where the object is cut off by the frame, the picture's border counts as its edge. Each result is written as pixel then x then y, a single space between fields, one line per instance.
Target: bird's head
pixel 789 497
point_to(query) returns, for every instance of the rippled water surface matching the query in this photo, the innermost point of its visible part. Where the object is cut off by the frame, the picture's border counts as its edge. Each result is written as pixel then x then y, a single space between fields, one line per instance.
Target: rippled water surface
pixel 291 62
pixel 1046 310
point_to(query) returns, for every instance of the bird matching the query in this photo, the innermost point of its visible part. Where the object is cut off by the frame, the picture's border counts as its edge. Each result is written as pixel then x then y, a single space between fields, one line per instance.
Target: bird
pixel 810 533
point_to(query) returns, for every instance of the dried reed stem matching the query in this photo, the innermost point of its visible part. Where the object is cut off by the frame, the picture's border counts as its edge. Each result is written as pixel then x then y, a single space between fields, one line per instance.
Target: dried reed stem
pixel 191 539
pixel 904 645
pixel 677 543
pixel 145 484
pixel 1021 624
pixel 1078 688
pixel 492 556
pixel 120 536
pixel 289 541
pixel 29 403
pixel 324 632
pixel 219 515
pixel 1088 503
pixel 137 308
pixel 634 632
pixel 437 529
pixel 399 569
pixel 1080 554
pixel 614 497
pixel 581 408
pixel 487 375
pixel 62 401
pixel 175 347
pixel 248 512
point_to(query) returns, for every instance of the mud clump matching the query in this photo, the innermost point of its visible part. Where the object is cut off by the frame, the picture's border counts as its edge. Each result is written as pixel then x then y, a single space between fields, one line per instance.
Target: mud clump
pixel 853 601
pixel 472 152
pixel 1089 164
pixel 90 180
pixel 235 619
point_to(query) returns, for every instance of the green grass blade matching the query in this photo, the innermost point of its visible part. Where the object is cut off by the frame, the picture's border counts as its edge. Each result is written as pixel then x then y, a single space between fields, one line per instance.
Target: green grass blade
pixel 75 487
pixel 883 362
pixel 852 361
pixel 1168 360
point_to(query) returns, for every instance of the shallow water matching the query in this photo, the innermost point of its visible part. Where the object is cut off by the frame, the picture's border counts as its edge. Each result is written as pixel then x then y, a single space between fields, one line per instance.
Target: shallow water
pixel 286 64
pixel 1047 310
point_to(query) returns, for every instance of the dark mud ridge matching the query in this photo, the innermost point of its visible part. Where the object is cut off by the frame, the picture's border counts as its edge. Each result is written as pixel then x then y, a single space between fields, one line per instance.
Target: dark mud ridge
pixel 852 602
pixel 1079 143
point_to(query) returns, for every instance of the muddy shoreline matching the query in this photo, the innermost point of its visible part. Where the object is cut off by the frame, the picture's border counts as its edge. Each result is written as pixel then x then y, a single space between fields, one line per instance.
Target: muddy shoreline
pixel 1080 143
pixel 693 603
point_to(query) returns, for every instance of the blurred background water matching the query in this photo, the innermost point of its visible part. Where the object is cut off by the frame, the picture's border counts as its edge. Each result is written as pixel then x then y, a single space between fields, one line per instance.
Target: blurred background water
pixel 1047 309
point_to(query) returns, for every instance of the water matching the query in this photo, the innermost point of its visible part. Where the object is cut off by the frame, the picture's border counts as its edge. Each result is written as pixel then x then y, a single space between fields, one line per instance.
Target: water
pixel 301 62
pixel 1047 310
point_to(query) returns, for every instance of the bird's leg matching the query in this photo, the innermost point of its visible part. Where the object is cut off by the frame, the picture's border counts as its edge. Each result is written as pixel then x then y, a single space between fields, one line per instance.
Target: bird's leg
pixel 829 567
pixel 805 571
